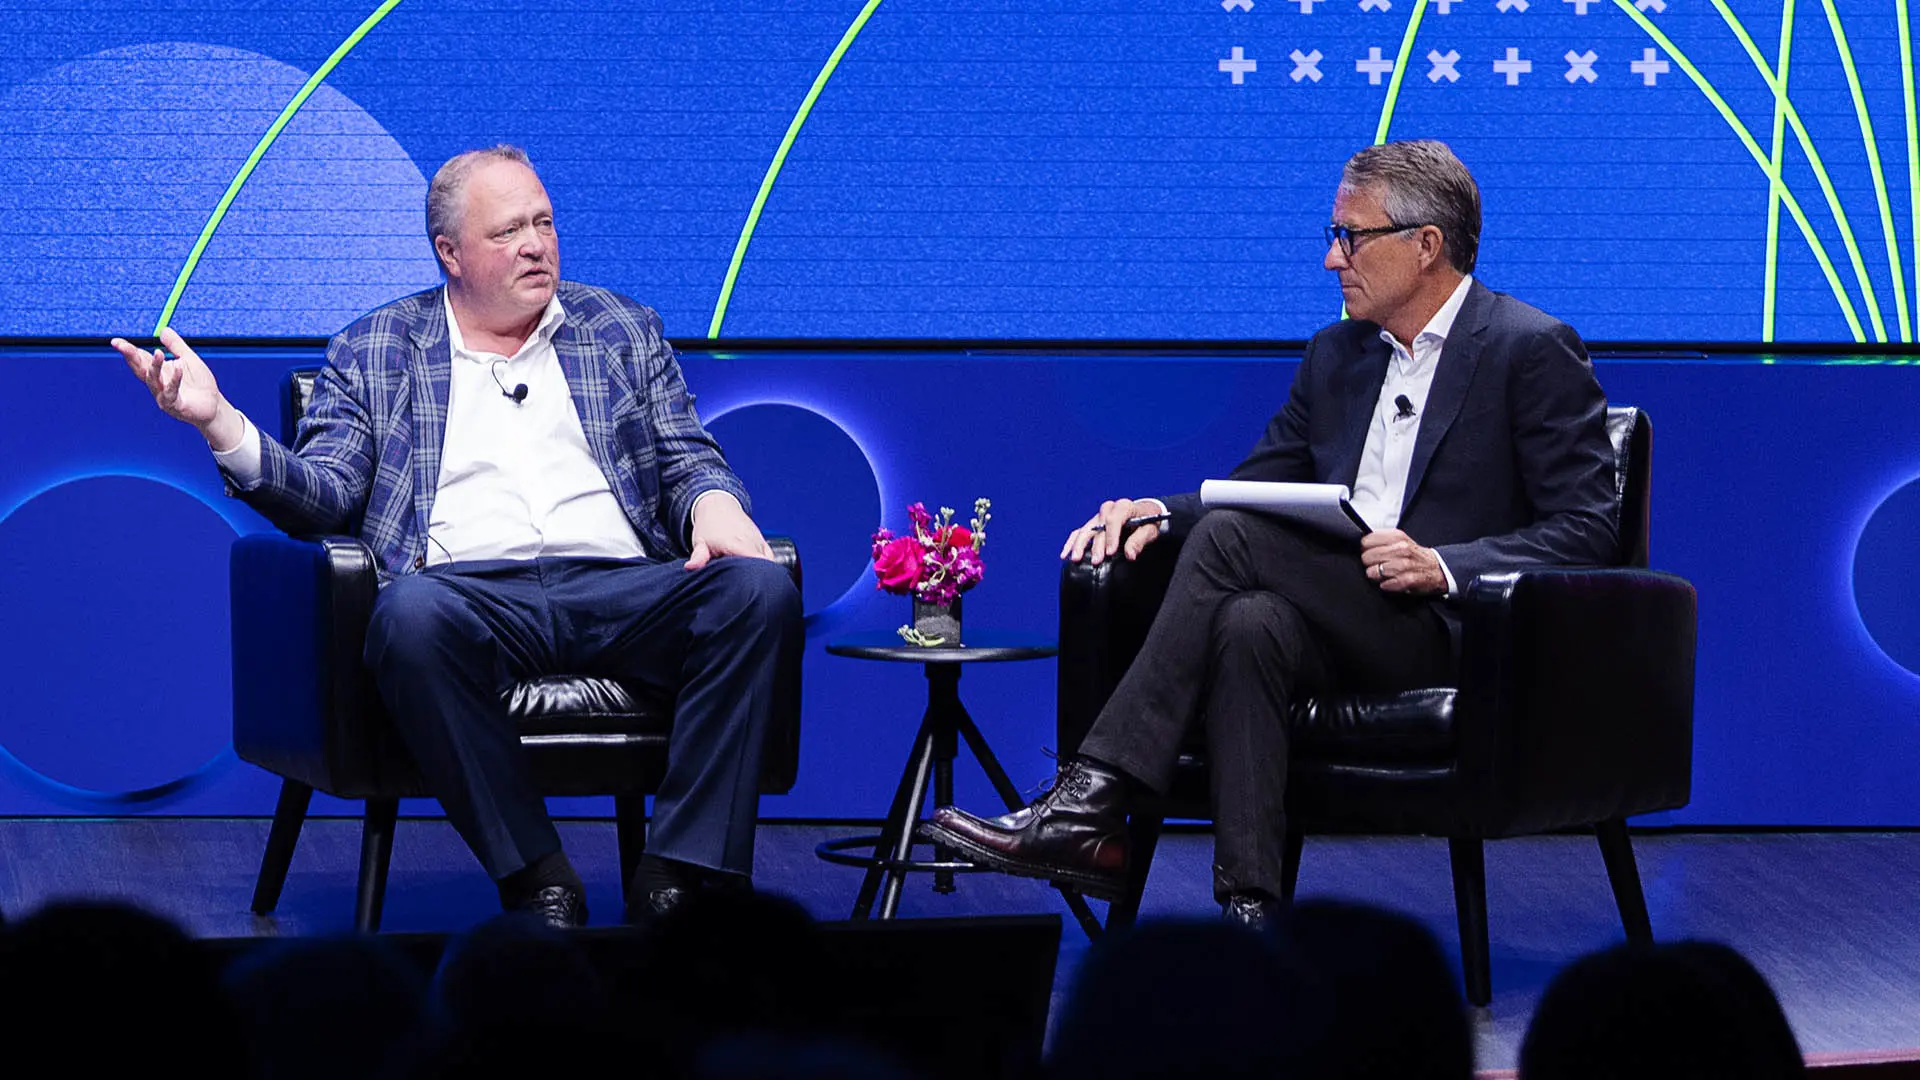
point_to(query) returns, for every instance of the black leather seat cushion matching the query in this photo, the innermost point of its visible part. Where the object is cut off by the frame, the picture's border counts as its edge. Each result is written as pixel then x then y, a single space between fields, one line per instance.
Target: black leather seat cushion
pixel 1411 726
pixel 586 705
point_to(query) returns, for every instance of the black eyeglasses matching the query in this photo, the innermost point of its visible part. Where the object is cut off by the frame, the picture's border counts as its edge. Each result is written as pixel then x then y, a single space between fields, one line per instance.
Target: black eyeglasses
pixel 1344 236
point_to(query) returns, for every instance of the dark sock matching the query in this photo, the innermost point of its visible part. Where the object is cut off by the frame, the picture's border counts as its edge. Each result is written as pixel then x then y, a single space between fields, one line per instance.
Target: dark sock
pixel 655 873
pixel 552 869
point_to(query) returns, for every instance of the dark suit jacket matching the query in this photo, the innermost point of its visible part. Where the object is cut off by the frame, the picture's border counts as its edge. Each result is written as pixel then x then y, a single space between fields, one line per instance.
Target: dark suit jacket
pixel 367 459
pixel 1511 468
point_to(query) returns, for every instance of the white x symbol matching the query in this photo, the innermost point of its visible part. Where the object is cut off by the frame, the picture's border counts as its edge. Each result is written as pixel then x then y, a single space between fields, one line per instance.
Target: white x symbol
pixel 1375 5
pixel 1658 6
pixel 1512 5
pixel 1229 5
pixel 1581 67
pixel 1443 65
pixel 1306 65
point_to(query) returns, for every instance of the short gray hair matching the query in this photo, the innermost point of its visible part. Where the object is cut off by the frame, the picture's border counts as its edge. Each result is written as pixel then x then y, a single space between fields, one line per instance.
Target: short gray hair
pixel 445 201
pixel 1422 183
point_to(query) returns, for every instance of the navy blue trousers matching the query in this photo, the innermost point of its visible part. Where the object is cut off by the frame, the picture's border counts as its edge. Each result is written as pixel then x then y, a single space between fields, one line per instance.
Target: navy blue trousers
pixel 446 645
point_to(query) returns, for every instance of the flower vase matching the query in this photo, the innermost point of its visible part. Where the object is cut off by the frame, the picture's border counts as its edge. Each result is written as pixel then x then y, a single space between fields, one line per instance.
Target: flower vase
pixel 938 620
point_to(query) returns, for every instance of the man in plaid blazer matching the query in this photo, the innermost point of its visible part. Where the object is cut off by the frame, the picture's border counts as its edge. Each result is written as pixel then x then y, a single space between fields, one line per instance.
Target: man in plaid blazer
pixel 524 459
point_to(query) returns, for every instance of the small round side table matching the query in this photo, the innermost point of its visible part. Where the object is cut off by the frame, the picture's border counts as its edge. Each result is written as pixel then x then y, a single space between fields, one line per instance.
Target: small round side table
pixel 942 726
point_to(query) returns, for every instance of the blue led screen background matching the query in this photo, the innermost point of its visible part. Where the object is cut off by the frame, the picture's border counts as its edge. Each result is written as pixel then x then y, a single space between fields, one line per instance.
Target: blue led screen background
pixel 1100 169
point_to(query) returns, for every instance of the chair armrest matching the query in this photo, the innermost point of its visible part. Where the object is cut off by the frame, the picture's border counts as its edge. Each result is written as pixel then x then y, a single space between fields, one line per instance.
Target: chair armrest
pixel 786 555
pixel 1576 695
pixel 781 767
pixel 1105 612
pixel 303 702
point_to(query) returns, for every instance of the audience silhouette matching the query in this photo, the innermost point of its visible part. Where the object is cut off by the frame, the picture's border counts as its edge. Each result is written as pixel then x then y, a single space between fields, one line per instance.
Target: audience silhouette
pixel 734 985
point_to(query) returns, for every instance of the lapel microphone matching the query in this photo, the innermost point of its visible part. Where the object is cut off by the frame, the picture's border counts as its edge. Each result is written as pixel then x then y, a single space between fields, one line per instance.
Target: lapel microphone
pixel 1403 403
pixel 519 392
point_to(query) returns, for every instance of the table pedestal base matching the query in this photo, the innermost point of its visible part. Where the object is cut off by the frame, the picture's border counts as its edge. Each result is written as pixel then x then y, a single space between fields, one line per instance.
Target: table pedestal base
pixel 942 727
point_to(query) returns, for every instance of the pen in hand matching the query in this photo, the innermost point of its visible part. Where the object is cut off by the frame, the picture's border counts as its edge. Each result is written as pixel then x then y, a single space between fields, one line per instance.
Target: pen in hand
pixel 1145 519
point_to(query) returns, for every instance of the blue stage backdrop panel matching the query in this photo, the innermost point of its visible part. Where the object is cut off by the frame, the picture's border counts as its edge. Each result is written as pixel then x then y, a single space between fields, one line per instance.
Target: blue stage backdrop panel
pixel 1121 169
pixel 1776 491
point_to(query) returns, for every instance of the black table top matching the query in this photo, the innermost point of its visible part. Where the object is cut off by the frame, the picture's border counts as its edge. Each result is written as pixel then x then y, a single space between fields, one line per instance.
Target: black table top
pixel 975 646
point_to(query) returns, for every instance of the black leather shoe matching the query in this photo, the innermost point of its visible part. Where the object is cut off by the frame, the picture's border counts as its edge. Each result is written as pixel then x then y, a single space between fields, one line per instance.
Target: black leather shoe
pixel 1255 911
pixel 656 904
pixel 1075 834
pixel 562 907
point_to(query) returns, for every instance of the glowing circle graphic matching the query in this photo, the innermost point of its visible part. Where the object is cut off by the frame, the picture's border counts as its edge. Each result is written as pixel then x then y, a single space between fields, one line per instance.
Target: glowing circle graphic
pixel 117 593
pixel 1886 576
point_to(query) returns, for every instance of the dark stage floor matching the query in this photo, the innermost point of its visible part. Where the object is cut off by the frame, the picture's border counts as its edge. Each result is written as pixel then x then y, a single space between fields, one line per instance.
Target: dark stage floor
pixel 1828 917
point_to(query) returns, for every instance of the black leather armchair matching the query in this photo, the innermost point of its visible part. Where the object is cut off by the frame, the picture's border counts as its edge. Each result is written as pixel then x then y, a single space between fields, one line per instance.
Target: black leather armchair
pixel 305 707
pixel 1574 708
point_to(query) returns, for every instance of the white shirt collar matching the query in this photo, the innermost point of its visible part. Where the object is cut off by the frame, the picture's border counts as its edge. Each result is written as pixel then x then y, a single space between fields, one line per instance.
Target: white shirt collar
pixel 1441 324
pixel 550 321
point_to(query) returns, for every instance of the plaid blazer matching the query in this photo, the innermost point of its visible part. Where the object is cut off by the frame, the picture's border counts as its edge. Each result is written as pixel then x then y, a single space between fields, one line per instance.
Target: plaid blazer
pixel 367 457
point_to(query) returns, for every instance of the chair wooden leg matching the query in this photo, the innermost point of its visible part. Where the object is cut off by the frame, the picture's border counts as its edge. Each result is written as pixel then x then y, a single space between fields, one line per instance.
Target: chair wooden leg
pixel 288 815
pixel 1617 850
pixel 1296 844
pixel 1143 836
pixel 630 826
pixel 376 853
pixel 1470 905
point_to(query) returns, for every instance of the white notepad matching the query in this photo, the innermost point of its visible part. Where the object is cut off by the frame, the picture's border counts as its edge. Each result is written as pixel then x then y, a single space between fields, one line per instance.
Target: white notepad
pixel 1327 507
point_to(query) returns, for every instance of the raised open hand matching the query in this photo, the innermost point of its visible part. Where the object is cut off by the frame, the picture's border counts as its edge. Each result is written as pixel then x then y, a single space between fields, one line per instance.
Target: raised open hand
pixel 184 387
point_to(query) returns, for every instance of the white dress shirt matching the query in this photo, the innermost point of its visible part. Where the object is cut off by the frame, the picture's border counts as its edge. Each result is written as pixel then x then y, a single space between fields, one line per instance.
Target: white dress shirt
pixel 517 480
pixel 1380 488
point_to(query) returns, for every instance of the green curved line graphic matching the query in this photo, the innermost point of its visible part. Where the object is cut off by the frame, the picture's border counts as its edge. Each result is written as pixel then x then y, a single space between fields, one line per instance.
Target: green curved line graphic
pixel 1774 185
pixel 1820 175
pixel 1913 144
pixel 1746 140
pixel 259 151
pixel 1399 72
pixel 1873 164
pixel 780 160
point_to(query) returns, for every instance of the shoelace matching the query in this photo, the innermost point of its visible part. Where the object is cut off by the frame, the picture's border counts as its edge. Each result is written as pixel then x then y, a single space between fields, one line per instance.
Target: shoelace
pixel 1068 778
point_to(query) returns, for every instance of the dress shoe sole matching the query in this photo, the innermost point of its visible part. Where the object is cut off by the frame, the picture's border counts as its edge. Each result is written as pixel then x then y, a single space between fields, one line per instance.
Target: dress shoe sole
pixel 1098 886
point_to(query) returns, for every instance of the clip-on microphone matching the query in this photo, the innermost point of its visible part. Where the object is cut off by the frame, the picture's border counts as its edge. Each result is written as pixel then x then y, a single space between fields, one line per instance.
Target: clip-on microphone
pixel 519 392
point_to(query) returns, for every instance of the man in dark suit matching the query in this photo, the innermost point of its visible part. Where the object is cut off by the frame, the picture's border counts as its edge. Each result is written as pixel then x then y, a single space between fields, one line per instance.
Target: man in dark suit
pixel 1472 432
pixel 524 459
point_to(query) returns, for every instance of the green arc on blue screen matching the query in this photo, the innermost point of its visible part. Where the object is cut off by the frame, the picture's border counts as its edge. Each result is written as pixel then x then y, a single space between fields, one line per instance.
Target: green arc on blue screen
pixel 779 161
pixel 259 151
pixel 1907 318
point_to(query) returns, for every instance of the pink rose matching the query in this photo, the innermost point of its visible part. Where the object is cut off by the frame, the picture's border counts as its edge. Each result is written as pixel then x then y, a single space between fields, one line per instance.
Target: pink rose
pixel 960 536
pixel 898 565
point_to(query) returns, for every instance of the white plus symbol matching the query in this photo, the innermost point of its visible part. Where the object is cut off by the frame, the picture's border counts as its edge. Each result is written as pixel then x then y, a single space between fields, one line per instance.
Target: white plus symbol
pixel 1375 5
pixel 1239 65
pixel 1580 6
pixel 1306 65
pixel 1649 67
pixel 1512 5
pixel 1581 67
pixel 1445 6
pixel 1306 6
pixel 1229 5
pixel 1443 65
pixel 1658 6
pixel 1374 65
pixel 1513 67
